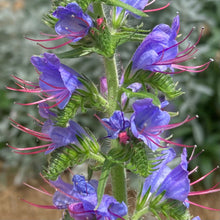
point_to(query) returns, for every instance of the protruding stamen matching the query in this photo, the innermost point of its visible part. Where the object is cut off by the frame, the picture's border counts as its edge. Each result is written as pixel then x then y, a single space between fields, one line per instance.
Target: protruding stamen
pixel 203 177
pixel 157 9
pixel 201 206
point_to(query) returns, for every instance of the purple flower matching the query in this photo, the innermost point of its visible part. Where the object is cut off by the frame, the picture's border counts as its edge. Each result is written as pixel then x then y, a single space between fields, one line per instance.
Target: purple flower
pixel 57 82
pixel 57 136
pixel 103 86
pixel 72 24
pixel 160 45
pixel 81 200
pixel 45 112
pixel 159 51
pixel 196 218
pixel 135 87
pixel 138 4
pixel 148 121
pixel 115 124
pixel 174 182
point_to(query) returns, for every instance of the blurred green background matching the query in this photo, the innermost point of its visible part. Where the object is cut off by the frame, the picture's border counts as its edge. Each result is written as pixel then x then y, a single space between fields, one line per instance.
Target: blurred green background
pixel 202 91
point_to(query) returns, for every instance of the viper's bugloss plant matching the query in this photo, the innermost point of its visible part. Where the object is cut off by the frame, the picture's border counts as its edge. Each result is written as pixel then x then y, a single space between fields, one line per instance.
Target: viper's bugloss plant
pixel 132 108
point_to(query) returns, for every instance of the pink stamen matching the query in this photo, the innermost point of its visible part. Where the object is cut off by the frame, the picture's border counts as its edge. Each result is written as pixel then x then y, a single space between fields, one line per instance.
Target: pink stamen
pixel 203 177
pixel 28 148
pixel 193 151
pixel 169 142
pixel 27 153
pixel 150 3
pixel 192 158
pixel 66 194
pixel 51 39
pixel 157 9
pixel 61 45
pixel 35 119
pixel 171 126
pixel 40 206
pixel 201 206
pixel 104 123
pixel 44 192
pixel 194 170
pixel 155 142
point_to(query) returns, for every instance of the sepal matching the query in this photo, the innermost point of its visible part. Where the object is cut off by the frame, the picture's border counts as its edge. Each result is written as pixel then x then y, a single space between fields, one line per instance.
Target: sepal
pixel 65 157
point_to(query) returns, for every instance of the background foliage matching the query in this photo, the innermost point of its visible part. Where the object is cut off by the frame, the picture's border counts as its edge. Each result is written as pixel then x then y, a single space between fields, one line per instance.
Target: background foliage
pixel 202 91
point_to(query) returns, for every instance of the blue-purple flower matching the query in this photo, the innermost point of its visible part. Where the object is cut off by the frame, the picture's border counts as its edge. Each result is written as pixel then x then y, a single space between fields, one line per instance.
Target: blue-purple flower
pixel 80 198
pixel 174 182
pixel 138 4
pixel 57 82
pixel 116 124
pixel 159 51
pixel 72 24
pixel 148 122
pixel 57 136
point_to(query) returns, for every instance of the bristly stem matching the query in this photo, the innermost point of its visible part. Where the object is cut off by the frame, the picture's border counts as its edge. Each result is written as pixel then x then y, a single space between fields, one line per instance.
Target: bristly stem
pixel 117 173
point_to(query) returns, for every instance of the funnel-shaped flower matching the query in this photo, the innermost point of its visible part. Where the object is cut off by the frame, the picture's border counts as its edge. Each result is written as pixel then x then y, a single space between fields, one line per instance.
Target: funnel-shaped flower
pixel 175 182
pixel 72 24
pixel 57 136
pixel 56 83
pixel 80 198
pixel 148 122
pixel 115 124
pixel 159 51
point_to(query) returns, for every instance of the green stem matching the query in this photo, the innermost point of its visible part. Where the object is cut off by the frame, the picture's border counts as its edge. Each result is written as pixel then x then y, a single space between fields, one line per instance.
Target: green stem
pixel 117 173
pixel 97 157
pixel 140 213
pixel 112 81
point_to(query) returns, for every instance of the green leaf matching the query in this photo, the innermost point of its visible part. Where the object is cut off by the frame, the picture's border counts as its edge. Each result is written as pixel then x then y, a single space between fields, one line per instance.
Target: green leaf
pixel 66 216
pixel 141 95
pixel 169 208
pixel 140 162
pixel 61 159
pixel 69 111
pixel 77 52
pixel 103 180
pixel 164 83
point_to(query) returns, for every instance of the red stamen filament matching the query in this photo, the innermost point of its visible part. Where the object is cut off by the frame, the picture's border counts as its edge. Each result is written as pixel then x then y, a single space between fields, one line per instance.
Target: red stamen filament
pixel 201 206
pixel 40 206
pixel 44 191
pixel 203 177
pixel 157 9
pixel 66 194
